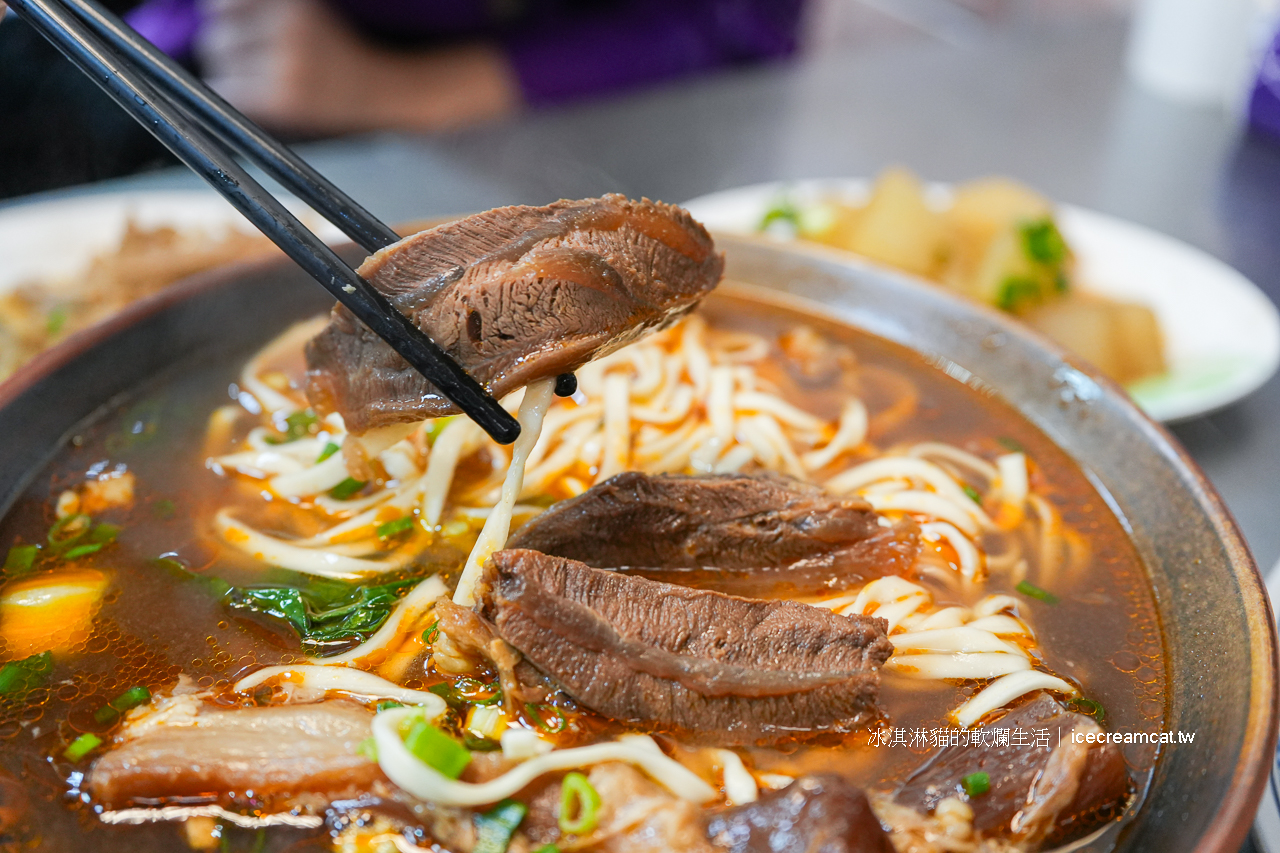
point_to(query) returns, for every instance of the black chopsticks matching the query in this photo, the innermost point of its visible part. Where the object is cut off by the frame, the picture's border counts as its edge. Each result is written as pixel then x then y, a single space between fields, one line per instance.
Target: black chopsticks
pixel 204 132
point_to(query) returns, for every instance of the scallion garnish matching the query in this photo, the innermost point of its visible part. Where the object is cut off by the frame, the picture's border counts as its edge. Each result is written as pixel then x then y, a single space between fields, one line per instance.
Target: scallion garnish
pixel 20 560
pixel 55 322
pixel 368 748
pixel 973 494
pixel 388 704
pixel 466 691
pixel 1043 242
pixel 1030 590
pixel 1090 707
pixel 82 746
pixel 346 489
pixel 298 425
pixel 976 784
pixel 164 508
pixel 131 698
pixel 781 210
pixel 21 675
pixel 561 722
pixel 436 749
pixel 395 527
pixel 436 427
pixel 1010 444
pixel 548 848
pixel 1017 292
pixel 83 551
pixel 432 633
pixel 495 828
pixel 68 531
pixel 579 805
pixel 329 450
pixel 475 691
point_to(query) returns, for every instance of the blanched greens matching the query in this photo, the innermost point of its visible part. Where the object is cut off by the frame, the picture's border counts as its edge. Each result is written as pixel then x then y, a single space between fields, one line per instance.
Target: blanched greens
pixel 325 613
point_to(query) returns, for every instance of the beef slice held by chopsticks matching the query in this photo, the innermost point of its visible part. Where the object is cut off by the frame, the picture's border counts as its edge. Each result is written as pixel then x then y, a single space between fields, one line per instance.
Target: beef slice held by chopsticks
pixel 513 295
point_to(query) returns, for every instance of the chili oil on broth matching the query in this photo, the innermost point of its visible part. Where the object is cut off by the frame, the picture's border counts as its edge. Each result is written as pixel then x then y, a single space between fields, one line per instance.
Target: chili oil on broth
pixel 157 622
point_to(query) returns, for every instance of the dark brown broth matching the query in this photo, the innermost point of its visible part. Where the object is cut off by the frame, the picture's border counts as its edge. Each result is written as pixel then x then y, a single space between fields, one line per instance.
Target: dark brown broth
pixel 155 624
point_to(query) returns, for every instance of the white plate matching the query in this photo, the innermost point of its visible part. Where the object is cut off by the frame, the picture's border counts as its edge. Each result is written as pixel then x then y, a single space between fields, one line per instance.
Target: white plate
pixel 1222 334
pixel 58 238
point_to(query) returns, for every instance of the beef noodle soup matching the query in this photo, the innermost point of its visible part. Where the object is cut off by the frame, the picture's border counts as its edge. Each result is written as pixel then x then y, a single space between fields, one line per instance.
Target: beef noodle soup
pixel 876 606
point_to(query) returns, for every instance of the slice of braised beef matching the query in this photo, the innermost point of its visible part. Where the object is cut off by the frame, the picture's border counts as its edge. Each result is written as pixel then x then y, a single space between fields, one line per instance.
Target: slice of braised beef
pixel 276 752
pixel 713 667
pixel 821 813
pixel 749 535
pixel 1042 784
pixel 513 295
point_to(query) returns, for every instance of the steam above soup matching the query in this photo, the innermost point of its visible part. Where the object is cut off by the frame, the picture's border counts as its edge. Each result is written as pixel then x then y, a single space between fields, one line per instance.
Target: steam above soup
pixel 762 573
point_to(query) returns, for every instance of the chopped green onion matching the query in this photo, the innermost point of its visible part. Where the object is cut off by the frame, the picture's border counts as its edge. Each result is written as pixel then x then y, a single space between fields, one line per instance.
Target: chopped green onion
pixel 298 425
pixel 437 427
pixel 329 450
pixel 164 508
pixel 781 210
pixel 495 827
pixel 388 704
pixel 68 530
pixel 973 494
pixel 455 697
pixel 579 805
pixel 1029 589
pixel 98 535
pixel 104 533
pixel 346 489
pixel 368 748
pixel 1017 292
pixel 394 528
pixel 1011 444
pixel 1090 707
pixel 20 560
pixel 55 322
pixel 432 633
pixel 83 551
pixel 436 749
pixel 131 698
pixel 561 722
pixel 22 675
pixel 82 746
pixel 473 691
pixel 976 784
pixel 1043 242
pixel 548 848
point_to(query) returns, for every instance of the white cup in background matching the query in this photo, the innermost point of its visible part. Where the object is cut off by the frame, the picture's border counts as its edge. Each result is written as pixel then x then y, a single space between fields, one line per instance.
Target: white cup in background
pixel 1199 51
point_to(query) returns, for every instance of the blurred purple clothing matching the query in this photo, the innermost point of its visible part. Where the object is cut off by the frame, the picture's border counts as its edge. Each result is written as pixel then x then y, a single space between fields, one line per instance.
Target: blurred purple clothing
pixel 1264 105
pixel 560 49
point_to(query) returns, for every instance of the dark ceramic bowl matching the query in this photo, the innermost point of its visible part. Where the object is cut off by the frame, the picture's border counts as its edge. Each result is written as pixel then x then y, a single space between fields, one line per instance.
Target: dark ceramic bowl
pixel 1219 632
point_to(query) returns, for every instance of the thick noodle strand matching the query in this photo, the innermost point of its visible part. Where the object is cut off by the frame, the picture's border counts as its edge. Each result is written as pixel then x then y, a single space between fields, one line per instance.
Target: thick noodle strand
pixel 537 397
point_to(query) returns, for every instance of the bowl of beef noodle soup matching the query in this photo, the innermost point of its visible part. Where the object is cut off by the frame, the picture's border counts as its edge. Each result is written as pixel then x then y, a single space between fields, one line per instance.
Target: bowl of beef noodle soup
pixel 818 559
